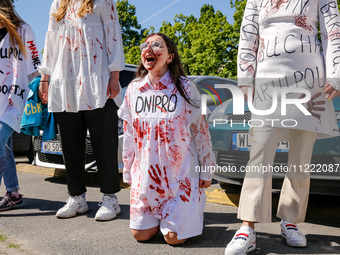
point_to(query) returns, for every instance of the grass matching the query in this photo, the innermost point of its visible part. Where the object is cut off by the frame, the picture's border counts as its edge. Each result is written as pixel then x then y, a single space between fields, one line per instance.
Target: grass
pixel 13 245
pixel 2 238
pixel 9 245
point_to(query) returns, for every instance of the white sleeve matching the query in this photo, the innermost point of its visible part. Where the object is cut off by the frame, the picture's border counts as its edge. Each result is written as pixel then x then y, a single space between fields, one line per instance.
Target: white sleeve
pixel 330 37
pixel 201 136
pixel 50 40
pixel 128 152
pixel 113 35
pixel 33 59
pixel 248 45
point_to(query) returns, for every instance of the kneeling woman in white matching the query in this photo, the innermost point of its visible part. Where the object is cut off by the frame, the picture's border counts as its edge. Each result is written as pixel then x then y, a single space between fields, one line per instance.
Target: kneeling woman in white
pixel 165 137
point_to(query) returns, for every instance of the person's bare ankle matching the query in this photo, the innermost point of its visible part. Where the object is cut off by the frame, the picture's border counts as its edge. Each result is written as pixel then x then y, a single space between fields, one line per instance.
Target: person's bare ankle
pixel 249 224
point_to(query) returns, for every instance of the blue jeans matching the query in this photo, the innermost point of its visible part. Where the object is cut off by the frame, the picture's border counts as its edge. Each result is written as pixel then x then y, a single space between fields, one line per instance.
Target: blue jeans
pixel 7 164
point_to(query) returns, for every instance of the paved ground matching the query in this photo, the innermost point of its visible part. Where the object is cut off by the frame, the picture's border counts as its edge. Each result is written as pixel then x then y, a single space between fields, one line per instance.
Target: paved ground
pixel 37 231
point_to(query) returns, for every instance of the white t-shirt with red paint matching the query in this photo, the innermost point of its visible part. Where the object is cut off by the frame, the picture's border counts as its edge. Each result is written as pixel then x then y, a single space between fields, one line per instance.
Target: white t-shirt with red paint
pixel 79 55
pixel 165 140
pixel 279 49
pixel 15 69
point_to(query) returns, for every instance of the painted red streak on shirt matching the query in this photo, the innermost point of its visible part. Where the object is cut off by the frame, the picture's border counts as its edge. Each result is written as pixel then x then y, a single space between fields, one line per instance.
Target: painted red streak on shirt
pixel 175 153
pixel 81 35
pixel 184 198
pixel 248 67
pixel 160 86
pixel 186 186
pixel 333 35
pixel 158 189
pixel 166 215
pixel 95 59
pixel 109 51
pixel 10 102
pixel 166 177
pixel 160 108
pixel 101 45
pixel 301 21
pixel 141 131
pixel 68 40
pixel 161 133
pixel 145 88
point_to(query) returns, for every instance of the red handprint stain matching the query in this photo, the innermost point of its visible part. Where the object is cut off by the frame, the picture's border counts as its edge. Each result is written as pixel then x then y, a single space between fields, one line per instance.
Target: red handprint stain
pixel 162 132
pixel 156 177
pixel 186 187
pixel 141 130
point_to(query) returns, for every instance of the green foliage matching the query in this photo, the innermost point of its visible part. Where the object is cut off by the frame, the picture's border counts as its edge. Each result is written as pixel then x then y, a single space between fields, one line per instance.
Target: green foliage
pixel 131 31
pixel 2 238
pixel 13 245
pixel 204 43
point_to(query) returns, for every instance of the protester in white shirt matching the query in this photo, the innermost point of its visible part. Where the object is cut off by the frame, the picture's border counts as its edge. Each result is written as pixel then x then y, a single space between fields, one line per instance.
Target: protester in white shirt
pixel 166 139
pixel 280 57
pixel 83 55
pixel 18 66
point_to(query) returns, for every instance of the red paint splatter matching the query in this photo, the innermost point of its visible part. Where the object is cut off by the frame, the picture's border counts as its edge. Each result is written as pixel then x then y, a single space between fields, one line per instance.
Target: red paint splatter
pixel 145 87
pixel 158 189
pixel 68 40
pixel 160 86
pixel 101 45
pixel 184 198
pixel 301 21
pixel 186 186
pixel 166 177
pixel 95 59
pixel 141 130
pixel 155 175
pixel 161 132
pixel 81 35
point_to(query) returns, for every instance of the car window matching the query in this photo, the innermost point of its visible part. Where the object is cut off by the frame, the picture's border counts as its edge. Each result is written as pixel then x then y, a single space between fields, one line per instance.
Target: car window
pixel 206 84
pixel 125 77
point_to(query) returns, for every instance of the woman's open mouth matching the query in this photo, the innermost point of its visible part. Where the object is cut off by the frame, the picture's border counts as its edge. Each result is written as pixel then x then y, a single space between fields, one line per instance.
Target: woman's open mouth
pixel 150 59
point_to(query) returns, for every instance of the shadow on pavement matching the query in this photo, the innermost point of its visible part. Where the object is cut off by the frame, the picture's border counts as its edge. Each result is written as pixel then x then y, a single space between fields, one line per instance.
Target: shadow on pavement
pixel 317 244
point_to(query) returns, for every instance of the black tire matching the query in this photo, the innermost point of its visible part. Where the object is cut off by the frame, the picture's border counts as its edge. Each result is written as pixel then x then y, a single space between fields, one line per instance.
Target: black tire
pixel 230 188
pixel 30 153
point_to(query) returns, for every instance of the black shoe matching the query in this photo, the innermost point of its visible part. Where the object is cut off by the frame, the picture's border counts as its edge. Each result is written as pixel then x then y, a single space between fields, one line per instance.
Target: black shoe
pixel 10 201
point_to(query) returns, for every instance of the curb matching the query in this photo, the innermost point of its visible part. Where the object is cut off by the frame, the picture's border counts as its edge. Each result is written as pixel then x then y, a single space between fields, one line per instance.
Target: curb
pixel 213 195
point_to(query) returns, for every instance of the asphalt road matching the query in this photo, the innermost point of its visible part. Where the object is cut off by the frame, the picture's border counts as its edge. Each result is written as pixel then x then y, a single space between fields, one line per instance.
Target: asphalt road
pixel 35 230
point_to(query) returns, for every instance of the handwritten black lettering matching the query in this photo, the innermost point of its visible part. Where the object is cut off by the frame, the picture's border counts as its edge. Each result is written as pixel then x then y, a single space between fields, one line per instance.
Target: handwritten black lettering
pixel 15 89
pixel 154 103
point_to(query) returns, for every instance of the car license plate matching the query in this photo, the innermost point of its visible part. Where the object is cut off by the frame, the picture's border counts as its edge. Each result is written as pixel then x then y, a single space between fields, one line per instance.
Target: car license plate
pixel 51 148
pixel 242 142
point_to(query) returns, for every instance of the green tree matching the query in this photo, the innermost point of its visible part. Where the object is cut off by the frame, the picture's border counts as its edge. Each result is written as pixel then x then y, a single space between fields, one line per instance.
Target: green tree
pixel 131 31
pixel 204 44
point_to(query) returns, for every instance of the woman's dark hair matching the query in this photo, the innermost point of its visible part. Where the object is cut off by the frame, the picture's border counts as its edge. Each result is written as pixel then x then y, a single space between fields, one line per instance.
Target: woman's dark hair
pixel 175 67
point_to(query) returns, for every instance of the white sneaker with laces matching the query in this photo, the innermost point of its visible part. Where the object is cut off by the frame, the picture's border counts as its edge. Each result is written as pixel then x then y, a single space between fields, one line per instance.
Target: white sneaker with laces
pixel 74 205
pixel 243 242
pixel 109 208
pixel 292 234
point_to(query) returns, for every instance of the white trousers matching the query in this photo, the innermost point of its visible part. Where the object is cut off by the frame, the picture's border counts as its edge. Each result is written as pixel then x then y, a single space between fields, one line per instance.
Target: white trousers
pixel 256 195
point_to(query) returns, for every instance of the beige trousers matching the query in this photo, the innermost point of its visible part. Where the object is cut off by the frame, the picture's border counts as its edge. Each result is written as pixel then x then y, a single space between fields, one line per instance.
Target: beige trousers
pixel 256 195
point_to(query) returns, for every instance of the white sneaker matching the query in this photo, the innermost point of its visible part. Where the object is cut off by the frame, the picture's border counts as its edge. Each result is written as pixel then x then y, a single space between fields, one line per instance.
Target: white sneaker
pixel 109 208
pixel 292 234
pixel 74 205
pixel 243 242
